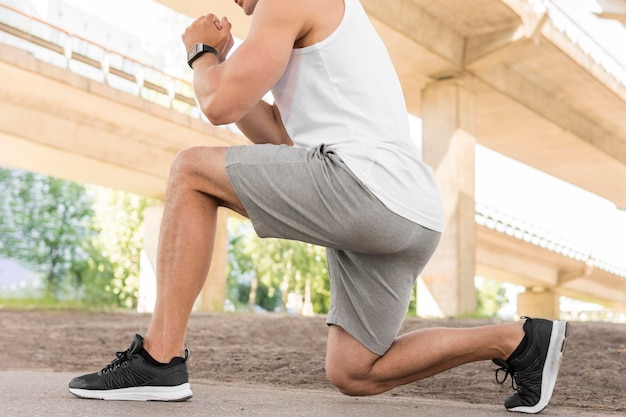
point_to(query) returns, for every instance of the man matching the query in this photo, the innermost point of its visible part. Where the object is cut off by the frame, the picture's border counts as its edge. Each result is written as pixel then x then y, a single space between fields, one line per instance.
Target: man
pixel 353 183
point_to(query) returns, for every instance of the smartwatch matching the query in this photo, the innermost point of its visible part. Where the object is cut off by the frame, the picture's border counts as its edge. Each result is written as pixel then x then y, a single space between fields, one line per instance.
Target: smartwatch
pixel 198 50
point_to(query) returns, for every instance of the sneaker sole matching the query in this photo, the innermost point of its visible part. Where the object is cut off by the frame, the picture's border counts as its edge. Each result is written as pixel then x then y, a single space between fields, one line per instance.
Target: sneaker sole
pixel 558 340
pixel 177 393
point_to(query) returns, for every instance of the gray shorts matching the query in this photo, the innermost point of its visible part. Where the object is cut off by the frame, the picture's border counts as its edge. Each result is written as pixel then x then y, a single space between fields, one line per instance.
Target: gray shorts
pixel 374 255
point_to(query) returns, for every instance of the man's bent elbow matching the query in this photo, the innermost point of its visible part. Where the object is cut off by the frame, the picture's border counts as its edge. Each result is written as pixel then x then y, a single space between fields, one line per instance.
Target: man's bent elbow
pixel 218 112
pixel 216 115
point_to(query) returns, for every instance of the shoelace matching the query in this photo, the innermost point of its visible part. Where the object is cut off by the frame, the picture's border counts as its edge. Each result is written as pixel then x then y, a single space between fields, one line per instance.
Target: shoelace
pixel 504 367
pixel 121 358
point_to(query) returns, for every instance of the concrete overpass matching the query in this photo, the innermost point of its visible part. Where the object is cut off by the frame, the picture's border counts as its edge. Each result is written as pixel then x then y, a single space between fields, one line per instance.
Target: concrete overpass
pixel 502 73
pixel 613 9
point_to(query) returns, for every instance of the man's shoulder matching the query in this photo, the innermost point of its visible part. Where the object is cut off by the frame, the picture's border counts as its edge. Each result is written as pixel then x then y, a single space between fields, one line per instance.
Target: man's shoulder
pixel 313 21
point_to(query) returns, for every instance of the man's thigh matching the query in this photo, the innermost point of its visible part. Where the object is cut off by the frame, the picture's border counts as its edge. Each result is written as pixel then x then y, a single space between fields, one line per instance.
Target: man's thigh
pixel 310 196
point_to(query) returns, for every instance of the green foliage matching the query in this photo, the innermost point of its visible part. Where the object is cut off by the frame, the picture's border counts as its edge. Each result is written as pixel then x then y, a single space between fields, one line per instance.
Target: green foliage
pixel 45 223
pixel 119 217
pixel 274 268
pixel 85 241
pixel 412 309
pixel 491 297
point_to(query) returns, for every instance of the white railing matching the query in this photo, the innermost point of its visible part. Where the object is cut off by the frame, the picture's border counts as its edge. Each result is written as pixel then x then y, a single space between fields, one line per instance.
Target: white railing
pixel 94 61
pixel 583 40
pixel 521 230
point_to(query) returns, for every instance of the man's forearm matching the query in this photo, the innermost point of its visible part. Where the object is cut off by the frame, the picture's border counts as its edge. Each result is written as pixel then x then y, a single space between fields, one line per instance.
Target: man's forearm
pixel 263 125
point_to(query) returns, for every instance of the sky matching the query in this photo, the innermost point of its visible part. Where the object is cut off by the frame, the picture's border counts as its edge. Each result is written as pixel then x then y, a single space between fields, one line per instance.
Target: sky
pixel 501 183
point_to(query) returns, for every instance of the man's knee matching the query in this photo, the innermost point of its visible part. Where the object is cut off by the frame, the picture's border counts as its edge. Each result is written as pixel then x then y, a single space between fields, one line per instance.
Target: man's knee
pixel 201 167
pixel 346 381
pixel 349 364
pixel 185 163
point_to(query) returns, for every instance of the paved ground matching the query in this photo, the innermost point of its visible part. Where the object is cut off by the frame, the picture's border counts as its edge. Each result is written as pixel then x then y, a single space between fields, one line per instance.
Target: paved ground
pixel 33 394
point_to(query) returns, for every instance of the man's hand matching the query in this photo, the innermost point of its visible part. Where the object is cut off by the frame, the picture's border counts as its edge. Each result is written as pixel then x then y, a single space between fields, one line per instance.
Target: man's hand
pixel 212 31
pixel 232 90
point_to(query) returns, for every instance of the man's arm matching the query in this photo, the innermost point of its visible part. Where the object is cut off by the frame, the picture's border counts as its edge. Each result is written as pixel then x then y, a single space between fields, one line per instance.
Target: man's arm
pixel 231 90
pixel 263 124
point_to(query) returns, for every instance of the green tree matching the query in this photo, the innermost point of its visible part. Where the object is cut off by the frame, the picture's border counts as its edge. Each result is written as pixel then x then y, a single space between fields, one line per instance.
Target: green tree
pixel 119 218
pixel 491 297
pixel 46 223
pixel 273 268
pixel 85 240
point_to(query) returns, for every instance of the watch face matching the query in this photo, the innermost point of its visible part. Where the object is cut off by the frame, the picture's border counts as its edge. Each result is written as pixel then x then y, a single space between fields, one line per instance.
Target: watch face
pixel 194 50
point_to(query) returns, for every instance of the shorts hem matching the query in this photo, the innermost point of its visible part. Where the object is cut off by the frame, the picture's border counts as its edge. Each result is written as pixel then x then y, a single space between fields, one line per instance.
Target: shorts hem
pixel 367 342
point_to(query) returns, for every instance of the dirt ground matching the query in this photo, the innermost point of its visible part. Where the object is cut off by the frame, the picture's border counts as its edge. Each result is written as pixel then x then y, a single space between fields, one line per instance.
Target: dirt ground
pixel 288 351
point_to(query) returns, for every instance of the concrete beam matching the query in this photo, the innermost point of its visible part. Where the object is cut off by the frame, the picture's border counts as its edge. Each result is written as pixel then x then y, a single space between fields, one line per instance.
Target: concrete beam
pixel 100 129
pixel 69 165
pixel 593 290
pixel 620 17
pixel 566 276
pixel 221 8
pixel 416 24
pixel 94 141
pixel 523 90
pixel 597 138
pixel 506 259
pixel 613 9
pixel 488 50
pixel 498 46
pixel 583 60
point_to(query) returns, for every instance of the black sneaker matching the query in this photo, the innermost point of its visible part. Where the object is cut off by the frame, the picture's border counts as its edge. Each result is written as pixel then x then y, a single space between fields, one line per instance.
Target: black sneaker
pixel 133 377
pixel 535 367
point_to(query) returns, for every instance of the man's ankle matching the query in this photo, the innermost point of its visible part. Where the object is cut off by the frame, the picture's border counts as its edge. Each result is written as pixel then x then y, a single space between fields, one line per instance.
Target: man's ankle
pixel 157 354
pixel 515 343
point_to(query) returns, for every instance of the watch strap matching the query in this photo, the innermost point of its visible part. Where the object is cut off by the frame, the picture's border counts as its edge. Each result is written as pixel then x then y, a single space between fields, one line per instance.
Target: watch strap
pixel 198 50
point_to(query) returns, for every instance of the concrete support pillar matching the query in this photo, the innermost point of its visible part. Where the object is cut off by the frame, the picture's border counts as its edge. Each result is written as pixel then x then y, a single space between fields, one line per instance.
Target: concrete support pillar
pixel 147 268
pixel 448 147
pixel 213 293
pixel 542 303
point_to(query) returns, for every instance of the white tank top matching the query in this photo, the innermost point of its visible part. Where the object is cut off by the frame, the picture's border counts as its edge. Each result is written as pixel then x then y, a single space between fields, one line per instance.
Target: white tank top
pixel 344 92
